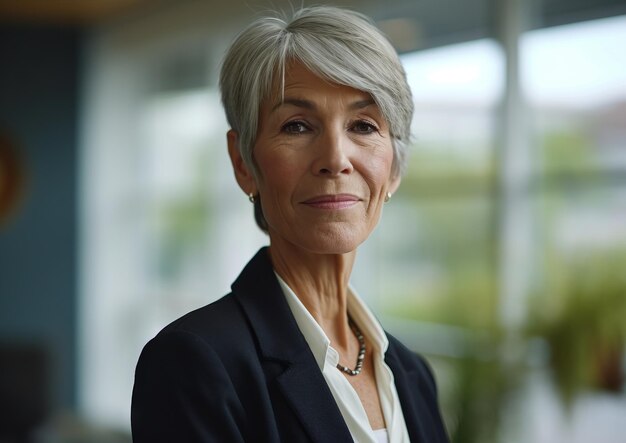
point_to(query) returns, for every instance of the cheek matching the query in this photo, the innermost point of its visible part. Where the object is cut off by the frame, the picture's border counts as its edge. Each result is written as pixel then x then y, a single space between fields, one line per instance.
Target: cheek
pixel 278 172
pixel 278 181
pixel 378 169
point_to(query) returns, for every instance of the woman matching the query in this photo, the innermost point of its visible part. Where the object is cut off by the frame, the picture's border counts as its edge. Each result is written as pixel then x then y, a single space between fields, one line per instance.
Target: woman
pixel 320 112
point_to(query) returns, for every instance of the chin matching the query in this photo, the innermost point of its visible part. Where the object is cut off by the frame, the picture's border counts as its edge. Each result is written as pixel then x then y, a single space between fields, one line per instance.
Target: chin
pixel 332 249
pixel 327 238
pixel 333 242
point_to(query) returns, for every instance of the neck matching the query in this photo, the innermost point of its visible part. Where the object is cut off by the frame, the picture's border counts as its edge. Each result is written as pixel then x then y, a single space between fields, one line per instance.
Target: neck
pixel 320 281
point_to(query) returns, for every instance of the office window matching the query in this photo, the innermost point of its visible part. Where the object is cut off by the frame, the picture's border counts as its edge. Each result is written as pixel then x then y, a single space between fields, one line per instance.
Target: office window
pixel 575 81
pixel 436 236
pixel 574 84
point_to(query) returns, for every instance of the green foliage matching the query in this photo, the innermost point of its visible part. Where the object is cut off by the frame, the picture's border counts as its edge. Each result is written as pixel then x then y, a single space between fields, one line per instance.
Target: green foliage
pixel 182 223
pixel 482 387
pixel 567 151
pixel 582 316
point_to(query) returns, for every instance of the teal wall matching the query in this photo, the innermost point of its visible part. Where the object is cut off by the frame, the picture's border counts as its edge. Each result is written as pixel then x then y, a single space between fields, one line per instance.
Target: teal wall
pixel 38 105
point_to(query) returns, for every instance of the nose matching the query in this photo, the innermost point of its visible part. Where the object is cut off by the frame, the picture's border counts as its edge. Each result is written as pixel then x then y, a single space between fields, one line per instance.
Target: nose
pixel 332 154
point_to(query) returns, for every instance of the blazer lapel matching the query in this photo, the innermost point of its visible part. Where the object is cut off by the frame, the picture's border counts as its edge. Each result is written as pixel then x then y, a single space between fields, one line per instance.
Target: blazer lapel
pixel 306 390
pixel 279 338
pixel 417 414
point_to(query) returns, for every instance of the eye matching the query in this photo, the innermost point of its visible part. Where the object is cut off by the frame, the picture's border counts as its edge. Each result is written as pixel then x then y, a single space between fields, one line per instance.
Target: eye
pixel 295 127
pixel 364 127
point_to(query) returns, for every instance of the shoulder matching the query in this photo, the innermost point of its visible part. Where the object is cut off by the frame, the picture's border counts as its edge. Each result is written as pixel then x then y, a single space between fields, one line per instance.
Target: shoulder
pixel 411 361
pixel 220 326
pixel 184 389
pixel 218 317
pixel 204 351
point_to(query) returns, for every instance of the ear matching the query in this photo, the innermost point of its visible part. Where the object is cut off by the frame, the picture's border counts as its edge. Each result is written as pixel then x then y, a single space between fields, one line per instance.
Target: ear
pixel 245 177
pixel 394 183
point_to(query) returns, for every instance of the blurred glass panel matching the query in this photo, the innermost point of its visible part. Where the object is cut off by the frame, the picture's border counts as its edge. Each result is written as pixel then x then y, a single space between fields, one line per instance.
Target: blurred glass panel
pixel 175 190
pixel 579 305
pixel 438 260
pixel 455 90
pixel 436 237
pixel 581 251
pixel 582 222
pixel 575 79
pixel 177 238
pixel 191 210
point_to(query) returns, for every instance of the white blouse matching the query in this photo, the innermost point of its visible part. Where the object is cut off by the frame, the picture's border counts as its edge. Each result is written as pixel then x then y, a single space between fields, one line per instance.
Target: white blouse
pixel 346 397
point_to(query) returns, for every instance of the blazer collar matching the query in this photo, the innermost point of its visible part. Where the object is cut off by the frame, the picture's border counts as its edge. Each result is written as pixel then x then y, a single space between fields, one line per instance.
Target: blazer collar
pixel 260 295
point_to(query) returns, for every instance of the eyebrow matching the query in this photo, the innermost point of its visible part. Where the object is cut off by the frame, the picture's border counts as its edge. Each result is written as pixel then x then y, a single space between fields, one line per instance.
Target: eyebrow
pixel 297 102
pixel 360 104
pixel 307 104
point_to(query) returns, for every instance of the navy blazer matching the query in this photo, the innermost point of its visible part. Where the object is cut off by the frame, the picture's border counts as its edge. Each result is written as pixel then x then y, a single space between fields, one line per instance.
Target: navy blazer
pixel 240 370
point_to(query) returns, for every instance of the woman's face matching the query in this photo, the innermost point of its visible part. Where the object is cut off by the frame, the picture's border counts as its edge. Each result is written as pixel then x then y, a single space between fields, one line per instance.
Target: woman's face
pixel 324 158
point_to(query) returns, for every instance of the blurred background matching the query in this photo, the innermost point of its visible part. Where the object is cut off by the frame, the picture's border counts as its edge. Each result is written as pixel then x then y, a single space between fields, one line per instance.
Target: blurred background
pixel 502 258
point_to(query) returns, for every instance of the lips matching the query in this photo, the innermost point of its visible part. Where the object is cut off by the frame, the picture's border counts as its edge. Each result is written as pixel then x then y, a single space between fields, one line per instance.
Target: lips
pixel 332 201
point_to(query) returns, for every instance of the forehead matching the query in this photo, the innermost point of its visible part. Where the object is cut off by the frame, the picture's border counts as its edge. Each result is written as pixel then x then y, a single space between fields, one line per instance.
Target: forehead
pixel 301 83
pixel 297 74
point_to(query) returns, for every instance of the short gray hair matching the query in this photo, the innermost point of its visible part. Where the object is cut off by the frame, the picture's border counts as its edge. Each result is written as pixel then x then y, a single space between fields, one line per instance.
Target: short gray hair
pixel 336 44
